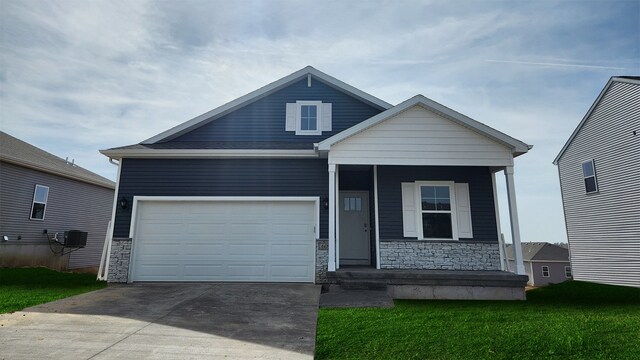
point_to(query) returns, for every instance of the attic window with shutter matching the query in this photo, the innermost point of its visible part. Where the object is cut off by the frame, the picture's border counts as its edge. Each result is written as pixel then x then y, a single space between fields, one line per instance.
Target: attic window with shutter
pixel 436 210
pixel 308 117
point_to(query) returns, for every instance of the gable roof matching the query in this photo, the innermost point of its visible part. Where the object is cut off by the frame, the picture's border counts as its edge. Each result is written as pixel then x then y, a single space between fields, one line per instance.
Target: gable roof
pixel 622 79
pixel 540 251
pixel 518 147
pixel 260 93
pixel 18 152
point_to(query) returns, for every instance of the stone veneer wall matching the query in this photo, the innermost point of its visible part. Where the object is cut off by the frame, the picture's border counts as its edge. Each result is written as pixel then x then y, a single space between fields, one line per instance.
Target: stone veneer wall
pixel 322 260
pixel 119 261
pixel 432 255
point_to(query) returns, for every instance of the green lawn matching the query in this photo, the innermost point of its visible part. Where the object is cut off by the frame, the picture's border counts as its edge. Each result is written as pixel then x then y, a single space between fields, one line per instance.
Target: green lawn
pixel 21 288
pixel 572 320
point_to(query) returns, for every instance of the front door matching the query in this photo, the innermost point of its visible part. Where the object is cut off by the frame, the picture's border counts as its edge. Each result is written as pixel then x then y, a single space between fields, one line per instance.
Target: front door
pixel 355 244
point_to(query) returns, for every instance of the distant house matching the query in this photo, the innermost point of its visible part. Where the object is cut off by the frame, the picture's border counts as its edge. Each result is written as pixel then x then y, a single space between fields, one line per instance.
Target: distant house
pixel 599 169
pixel 544 263
pixel 40 191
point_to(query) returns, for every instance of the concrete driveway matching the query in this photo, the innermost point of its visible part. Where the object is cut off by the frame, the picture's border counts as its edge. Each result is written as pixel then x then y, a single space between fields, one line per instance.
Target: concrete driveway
pixel 168 321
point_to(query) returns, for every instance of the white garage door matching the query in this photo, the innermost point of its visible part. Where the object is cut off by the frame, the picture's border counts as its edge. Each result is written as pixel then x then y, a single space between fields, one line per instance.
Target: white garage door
pixel 269 241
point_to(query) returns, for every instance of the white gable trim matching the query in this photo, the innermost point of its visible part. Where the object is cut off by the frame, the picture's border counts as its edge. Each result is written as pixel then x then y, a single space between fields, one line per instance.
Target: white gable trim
pixel 260 93
pixel 591 109
pixel 517 147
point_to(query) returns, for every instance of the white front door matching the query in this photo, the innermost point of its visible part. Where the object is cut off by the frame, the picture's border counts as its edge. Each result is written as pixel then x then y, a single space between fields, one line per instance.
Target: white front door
pixel 355 243
pixel 272 241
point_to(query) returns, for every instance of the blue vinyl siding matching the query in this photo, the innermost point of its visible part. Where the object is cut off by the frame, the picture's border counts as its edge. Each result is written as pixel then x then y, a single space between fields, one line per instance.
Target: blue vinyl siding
pixel 221 177
pixel 264 119
pixel 480 192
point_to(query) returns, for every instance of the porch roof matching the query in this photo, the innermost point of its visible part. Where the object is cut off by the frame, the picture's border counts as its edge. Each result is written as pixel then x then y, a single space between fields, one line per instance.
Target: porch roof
pixel 516 146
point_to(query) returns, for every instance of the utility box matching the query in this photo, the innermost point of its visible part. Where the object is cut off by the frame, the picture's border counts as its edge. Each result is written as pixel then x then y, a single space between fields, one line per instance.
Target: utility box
pixel 75 239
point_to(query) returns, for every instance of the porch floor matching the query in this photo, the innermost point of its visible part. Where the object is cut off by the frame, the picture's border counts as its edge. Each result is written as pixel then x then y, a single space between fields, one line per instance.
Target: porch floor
pixel 380 278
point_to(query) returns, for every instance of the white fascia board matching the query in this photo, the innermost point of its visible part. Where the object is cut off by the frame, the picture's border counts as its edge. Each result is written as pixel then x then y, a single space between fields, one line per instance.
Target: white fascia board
pixel 208 153
pixel 258 94
pixel 517 147
pixel 591 109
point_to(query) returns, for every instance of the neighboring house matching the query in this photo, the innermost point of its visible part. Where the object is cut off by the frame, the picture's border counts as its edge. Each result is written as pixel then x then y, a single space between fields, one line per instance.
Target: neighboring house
pixel 305 176
pixel 544 263
pixel 40 191
pixel 599 169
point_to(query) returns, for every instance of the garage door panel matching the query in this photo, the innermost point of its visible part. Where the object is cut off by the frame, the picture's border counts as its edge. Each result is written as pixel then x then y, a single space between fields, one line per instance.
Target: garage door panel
pixel 204 249
pixel 205 228
pixel 288 250
pixel 248 249
pixel 284 271
pixel 225 241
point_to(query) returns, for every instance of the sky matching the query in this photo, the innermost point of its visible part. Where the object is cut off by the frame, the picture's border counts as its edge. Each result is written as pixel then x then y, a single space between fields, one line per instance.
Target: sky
pixel 79 76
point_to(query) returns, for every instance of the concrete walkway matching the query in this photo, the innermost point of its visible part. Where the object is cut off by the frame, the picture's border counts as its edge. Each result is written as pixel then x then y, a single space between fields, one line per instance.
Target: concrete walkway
pixel 168 321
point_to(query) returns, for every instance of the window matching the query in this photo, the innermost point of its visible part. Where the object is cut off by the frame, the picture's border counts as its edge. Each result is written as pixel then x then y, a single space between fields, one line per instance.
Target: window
pixel 589 174
pixel 545 271
pixel 435 210
pixel 307 117
pixel 352 204
pixel 39 204
pixel 567 272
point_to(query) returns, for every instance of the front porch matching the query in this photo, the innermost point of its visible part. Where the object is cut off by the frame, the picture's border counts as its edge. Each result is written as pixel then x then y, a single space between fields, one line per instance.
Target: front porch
pixel 423 216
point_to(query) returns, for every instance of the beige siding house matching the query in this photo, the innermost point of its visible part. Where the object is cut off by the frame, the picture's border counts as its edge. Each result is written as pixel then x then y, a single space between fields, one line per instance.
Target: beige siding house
pixel 40 191
pixel 599 169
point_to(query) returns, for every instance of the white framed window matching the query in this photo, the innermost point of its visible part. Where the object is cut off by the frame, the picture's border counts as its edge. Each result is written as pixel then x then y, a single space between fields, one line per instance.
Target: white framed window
pixel 545 271
pixel 567 272
pixel 39 203
pixel 589 175
pixel 436 210
pixel 307 117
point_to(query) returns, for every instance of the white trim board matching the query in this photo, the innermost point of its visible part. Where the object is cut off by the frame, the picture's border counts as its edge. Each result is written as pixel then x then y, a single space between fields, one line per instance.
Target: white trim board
pixel 260 93
pixel 208 153
pixel 517 147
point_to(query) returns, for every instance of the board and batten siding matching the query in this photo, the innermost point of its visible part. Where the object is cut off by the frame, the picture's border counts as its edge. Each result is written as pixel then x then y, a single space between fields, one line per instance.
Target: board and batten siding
pixel 390 178
pixel 604 228
pixel 264 120
pixel 71 205
pixel 418 136
pixel 221 177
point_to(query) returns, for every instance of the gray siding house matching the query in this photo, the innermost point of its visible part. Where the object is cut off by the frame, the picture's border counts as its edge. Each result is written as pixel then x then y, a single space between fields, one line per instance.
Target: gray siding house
pixel 309 179
pixel 599 169
pixel 544 263
pixel 40 191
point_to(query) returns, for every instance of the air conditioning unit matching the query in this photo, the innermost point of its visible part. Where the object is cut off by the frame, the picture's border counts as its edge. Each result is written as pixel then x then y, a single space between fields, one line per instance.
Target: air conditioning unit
pixel 75 239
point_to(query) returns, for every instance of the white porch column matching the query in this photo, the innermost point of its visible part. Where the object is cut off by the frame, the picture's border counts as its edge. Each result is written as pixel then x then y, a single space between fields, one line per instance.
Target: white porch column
pixel 332 218
pixel 513 216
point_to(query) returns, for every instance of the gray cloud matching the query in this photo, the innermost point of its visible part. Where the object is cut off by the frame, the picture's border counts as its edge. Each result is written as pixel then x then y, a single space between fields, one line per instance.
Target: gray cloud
pixel 78 76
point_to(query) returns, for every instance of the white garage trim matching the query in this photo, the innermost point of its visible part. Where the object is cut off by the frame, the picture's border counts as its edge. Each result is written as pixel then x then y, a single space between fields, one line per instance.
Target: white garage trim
pixel 138 199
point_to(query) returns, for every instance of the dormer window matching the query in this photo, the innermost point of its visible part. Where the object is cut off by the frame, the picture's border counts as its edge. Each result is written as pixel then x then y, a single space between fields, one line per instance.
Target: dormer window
pixel 308 114
pixel 307 117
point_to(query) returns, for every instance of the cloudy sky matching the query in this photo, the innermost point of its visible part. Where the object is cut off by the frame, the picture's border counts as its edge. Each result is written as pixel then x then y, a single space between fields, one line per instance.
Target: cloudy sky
pixel 79 76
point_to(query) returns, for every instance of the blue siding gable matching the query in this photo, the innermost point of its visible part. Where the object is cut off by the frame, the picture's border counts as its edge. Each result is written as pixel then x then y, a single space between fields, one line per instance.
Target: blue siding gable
pixel 483 216
pixel 264 119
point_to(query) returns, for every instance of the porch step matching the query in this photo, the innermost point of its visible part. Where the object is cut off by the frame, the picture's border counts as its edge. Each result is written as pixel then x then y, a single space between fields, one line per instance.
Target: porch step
pixel 357 284
pixel 379 277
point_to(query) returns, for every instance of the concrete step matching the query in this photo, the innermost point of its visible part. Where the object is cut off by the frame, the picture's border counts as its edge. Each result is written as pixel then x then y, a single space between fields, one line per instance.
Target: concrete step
pixel 357 284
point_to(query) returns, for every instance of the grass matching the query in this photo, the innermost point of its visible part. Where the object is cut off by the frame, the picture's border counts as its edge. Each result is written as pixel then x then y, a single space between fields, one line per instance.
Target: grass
pixel 21 288
pixel 572 320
